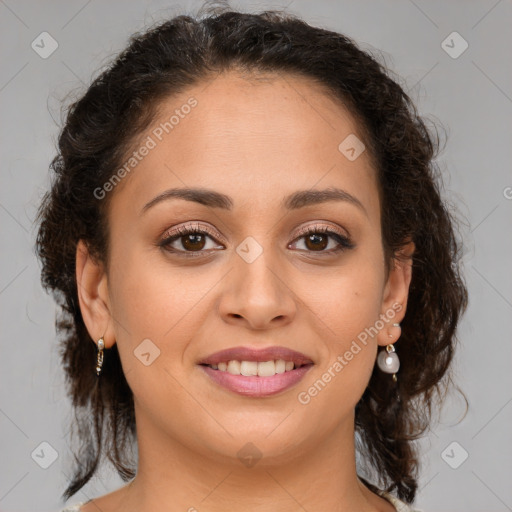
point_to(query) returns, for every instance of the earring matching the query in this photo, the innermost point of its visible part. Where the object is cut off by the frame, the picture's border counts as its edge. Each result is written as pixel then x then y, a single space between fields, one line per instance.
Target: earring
pixel 388 360
pixel 99 361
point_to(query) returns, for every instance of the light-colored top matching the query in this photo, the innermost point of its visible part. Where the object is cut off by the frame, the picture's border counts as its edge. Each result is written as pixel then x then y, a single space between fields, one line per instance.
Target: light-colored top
pixel 73 508
pixel 399 505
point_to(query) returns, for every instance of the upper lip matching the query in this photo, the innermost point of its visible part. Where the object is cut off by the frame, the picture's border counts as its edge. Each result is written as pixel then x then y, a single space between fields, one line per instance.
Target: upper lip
pixel 260 355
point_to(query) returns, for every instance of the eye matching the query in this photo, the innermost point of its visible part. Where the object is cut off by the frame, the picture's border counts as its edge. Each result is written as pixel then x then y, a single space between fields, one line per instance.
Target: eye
pixel 316 239
pixel 190 238
pixel 194 238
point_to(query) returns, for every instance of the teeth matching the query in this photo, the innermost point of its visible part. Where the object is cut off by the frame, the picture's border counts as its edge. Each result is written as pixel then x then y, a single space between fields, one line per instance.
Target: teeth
pixel 280 366
pixel 234 367
pixel 249 368
pixel 253 368
pixel 266 369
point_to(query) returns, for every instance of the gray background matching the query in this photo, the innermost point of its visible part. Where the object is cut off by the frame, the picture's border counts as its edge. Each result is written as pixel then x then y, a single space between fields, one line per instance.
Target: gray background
pixel 470 95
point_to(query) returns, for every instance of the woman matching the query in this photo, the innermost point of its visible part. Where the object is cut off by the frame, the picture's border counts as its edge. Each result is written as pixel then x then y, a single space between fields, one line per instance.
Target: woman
pixel 243 222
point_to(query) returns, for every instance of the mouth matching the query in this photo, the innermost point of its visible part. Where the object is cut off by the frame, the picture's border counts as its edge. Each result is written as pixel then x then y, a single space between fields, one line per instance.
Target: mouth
pixel 256 373
pixel 261 355
pixel 255 368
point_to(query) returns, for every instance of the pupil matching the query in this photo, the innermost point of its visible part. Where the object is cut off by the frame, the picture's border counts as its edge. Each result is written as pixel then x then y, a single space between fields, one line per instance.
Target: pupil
pixel 191 241
pixel 314 238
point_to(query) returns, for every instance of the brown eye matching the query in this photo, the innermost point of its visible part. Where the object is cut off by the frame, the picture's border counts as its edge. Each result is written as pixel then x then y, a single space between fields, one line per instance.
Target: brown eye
pixel 188 239
pixel 317 239
pixel 193 242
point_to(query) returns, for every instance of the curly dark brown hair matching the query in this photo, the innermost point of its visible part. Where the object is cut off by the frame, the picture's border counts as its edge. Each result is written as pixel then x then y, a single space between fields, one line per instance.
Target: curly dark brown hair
pixel 102 126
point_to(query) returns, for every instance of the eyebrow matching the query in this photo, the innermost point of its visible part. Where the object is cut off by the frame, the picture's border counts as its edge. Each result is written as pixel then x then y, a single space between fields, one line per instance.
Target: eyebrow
pixel 213 199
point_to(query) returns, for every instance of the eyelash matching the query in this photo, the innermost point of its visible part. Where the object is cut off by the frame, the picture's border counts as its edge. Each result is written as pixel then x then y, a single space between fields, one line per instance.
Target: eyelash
pixel 343 241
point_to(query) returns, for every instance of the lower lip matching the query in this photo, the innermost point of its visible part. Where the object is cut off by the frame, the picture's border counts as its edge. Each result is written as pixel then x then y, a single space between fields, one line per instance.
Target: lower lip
pixel 255 386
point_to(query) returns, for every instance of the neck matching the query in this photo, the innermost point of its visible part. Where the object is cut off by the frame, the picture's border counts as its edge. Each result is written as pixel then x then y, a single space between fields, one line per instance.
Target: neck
pixel 321 477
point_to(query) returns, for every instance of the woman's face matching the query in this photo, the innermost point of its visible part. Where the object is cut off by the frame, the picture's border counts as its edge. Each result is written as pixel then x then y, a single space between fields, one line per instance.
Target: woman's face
pixel 253 280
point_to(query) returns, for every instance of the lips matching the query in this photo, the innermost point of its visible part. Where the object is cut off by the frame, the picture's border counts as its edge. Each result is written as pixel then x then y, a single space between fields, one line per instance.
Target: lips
pixel 257 387
pixel 293 366
pixel 258 355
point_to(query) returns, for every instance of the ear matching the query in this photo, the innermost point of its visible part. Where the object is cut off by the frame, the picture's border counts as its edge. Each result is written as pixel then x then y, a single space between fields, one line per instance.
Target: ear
pixel 396 292
pixel 93 297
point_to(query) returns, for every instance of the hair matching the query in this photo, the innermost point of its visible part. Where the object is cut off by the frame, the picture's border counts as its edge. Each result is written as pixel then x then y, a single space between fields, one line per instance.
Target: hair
pixel 103 124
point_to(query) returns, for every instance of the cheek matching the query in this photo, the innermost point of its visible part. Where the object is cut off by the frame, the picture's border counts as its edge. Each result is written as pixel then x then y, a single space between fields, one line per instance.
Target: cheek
pixel 347 309
pixel 150 295
pixel 348 355
pixel 147 312
pixel 350 298
pixel 154 300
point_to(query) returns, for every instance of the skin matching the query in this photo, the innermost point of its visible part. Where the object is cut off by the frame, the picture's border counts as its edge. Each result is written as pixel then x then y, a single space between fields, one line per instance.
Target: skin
pixel 256 141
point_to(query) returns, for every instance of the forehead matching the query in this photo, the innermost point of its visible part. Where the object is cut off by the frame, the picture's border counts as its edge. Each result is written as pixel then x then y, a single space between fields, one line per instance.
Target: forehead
pixel 255 138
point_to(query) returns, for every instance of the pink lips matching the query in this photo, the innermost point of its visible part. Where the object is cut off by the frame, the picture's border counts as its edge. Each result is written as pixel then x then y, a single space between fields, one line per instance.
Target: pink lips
pixel 255 386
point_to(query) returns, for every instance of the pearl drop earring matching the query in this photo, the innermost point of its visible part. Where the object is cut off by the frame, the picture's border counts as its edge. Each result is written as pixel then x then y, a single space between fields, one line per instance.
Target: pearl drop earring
pixel 388 360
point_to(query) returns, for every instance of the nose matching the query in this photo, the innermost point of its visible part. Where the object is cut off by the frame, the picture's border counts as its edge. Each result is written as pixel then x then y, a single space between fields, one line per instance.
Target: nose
pixel 257 293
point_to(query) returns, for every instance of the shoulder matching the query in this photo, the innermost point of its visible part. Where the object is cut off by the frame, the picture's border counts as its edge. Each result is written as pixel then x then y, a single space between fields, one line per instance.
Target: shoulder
pixel 75 507
pixel 401 506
